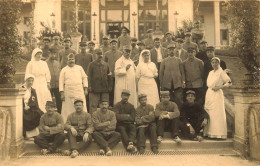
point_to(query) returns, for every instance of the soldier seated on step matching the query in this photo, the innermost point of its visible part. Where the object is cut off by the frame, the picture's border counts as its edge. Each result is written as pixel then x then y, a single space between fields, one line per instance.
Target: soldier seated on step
pixel 193 118
pixel 145 121
pixel 167 115
pixel 79 127
pixel 104 122
pixel 125 116
pixel 51 130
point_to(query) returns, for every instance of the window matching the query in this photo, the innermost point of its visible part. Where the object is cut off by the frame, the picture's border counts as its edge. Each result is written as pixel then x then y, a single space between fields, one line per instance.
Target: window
pixel 152 12
pixel 224 36
pixel 67 9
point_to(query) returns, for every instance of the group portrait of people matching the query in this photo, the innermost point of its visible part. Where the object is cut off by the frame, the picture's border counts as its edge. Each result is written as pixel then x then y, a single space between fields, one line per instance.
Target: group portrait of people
pixel 124 90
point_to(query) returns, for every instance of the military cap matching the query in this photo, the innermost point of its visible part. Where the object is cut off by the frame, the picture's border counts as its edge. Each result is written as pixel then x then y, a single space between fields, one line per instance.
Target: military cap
pixel 167 33
pixel 105 38
pixel 91 42
pixel 140 43
pixel 125 28
pixel 67 39
pixel 46 38
pixel 50 104
pixel 56 37
pixel 149 31
pixel 203 41
pixel 78 100
pixel 134 39
pixel 104 100
pixel 113 40
pixel 82 43
pixel 126 47
pixel 165 93
pixel 98 51
pixel 125 91
pixel 191 49
pixel 210 48
pixel 156 39
pixel 190 92
pixel 187 34
pixel 141 96
pixel 171 46
pixel 179 40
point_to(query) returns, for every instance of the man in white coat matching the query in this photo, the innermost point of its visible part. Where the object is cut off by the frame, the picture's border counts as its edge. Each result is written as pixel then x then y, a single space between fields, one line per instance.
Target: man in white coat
pixel 125 77
pixel 73 84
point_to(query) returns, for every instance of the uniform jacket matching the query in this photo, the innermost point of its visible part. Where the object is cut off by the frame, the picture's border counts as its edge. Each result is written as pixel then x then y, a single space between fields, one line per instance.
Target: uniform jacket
pixel 154 54
pixel 54 67
pixel 170 108
pixel 144 115
pixel 54 122
pixel 183 56
pixel 125 112
pixel 171 71
pixel 111 57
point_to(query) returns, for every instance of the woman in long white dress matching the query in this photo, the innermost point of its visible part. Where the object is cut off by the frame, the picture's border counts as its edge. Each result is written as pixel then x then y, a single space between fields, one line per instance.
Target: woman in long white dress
pixel 146 71
pixel 40 70
pixel 214 102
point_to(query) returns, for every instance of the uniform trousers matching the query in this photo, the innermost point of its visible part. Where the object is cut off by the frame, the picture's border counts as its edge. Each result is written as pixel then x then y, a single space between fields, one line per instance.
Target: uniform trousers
pixel 105 140
pixel 171 125
pixel 43 141
pixel 78 146
pixel 111 93
pixel 55 92
pixel 128 132
pixel 142 132
pixel 95 99
pixel 185 130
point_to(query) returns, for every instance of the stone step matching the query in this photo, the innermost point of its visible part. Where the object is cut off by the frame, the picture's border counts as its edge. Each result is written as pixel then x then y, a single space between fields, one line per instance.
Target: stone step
pixel 166 145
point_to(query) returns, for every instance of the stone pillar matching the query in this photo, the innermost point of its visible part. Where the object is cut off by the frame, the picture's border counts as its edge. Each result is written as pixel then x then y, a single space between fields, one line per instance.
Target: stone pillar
pixel 217 23
pixel 11 100
pixel 95 22
pixel 133 20
pixel 244 98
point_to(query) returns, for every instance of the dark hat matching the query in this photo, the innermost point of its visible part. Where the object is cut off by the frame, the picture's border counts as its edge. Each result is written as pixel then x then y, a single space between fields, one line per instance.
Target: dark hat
pixel 210 48
pixel 46 38
pixel 125 91
pixel 104 100
pixel 113 40
pixel 133 39
pixel 149 31
pixel 67 39
pixel 140 43
pixel 171 46
pixel 125 28
pixel 126 47
pixel 105 37
pixel 82 43
pixel 187 34
pixel 141 96
pixel 98 51
pixel 50 104
pixel 191 49
pixel 190 92
pixel 179 40
pixel 91 42
pixel 78 100
pixel 167 33
pixel 165 93
pixel 156 39
pixel 203 41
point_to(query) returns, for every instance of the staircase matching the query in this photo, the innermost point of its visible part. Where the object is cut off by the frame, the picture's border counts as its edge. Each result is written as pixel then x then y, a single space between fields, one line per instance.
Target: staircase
pixel 167 147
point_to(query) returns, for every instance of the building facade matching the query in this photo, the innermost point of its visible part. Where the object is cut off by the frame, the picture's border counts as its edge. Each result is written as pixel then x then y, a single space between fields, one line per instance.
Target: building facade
pixel 106 17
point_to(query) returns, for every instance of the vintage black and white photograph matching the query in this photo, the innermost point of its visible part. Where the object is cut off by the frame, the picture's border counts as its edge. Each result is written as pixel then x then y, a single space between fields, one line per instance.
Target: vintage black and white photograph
pixel 129 82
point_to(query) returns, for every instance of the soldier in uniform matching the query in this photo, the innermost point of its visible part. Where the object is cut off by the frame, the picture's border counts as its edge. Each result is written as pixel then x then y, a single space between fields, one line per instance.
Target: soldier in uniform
pixel 124 39
pixel 46 48
pixel 149 40
pixel 202 54
pixel 134 49
pixel 188 42
pixel 105 46
pixel 169 40
pixel 56 47
pixel 91 47
pixel 65 52
pixel 111 57
pixel 83 58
